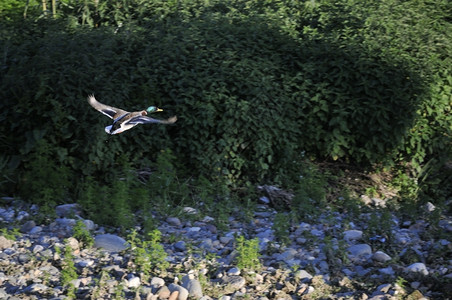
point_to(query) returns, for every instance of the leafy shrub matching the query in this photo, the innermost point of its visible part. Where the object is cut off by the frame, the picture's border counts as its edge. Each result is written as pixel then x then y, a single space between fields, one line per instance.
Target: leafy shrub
pixel 254 84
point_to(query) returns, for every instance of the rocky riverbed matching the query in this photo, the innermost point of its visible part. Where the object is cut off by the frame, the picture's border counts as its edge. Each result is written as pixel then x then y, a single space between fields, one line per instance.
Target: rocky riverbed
pixel 332 256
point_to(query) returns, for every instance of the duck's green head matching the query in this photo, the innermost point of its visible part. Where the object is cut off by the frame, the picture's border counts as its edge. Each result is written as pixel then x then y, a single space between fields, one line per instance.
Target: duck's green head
pixel 152 109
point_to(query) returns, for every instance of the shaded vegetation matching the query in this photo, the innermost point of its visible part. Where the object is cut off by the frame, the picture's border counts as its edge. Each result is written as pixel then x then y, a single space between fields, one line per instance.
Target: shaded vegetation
pixel 259 88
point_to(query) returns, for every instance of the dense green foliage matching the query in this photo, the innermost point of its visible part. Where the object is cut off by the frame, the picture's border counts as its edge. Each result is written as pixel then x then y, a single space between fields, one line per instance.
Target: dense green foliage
pixel 255 84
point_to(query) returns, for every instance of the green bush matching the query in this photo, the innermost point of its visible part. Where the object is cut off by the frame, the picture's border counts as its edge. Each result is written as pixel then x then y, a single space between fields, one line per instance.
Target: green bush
pixel 254 85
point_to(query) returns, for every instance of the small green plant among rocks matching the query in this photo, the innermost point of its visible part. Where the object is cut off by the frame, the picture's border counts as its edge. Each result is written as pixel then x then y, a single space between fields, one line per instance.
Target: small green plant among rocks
pixel 82 234
pixel 149 254
pixel 68 272
pixel 10 234
pixel 280 227
pixel 247 253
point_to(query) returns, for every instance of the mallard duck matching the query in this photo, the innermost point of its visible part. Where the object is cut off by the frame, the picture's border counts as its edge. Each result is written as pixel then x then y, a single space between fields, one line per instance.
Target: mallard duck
pixel 124 120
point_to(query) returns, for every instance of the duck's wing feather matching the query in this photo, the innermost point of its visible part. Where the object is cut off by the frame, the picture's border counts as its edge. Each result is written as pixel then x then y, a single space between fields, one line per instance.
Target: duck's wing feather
pixel 107 110
pixel 145 120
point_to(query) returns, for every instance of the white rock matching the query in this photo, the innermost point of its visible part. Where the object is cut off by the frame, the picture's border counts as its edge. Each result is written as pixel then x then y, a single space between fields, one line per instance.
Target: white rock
pixel 110 242
pixel 208 219
pixel 429 207
pixel 134 282
pixel 380 256
pixel 37 248
pixel 417 268
pixel 194 229
pixel 190 210
pixel 73 243
pixel 264 200
pixel 85 263
pixel 378 202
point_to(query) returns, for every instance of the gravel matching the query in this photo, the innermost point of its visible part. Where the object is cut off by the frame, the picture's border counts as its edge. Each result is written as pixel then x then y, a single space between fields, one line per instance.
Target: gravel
pixel 330 256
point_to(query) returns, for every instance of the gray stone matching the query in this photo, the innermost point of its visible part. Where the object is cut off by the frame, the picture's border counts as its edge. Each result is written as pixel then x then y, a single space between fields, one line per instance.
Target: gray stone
pixel 387 271
pixel 35 288
pixel 193 229
pixel 193 286
pixel 35 230
pixel 303 276
pixel 49 269
pixel 174 221
pixel 264 200
pixel 417 268
pixel 287 255
pixel 68 210
pixel 65 222
pixel 46 253
pixel 233 283
pixel 110 242
pixel 226 240
pixel 180 246
pixel 207 244
pixel 22 215
pixel 7 214
pixel 381 256
pixel 24 258
pixel 27 226
pixel 163 292
pixel 360 250
pixel 183 293
pixel 5 243
pixel 89 225
pixel 316 232
pixel 3 294
pixel 353 235
pixel 233 271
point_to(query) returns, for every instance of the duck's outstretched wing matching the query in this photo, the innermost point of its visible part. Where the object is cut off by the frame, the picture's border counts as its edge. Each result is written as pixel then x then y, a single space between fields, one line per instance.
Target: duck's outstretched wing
pixel 145 120
pixel 107 110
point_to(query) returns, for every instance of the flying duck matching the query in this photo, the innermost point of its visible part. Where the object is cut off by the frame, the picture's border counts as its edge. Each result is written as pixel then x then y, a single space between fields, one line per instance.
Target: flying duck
pixel 124 120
